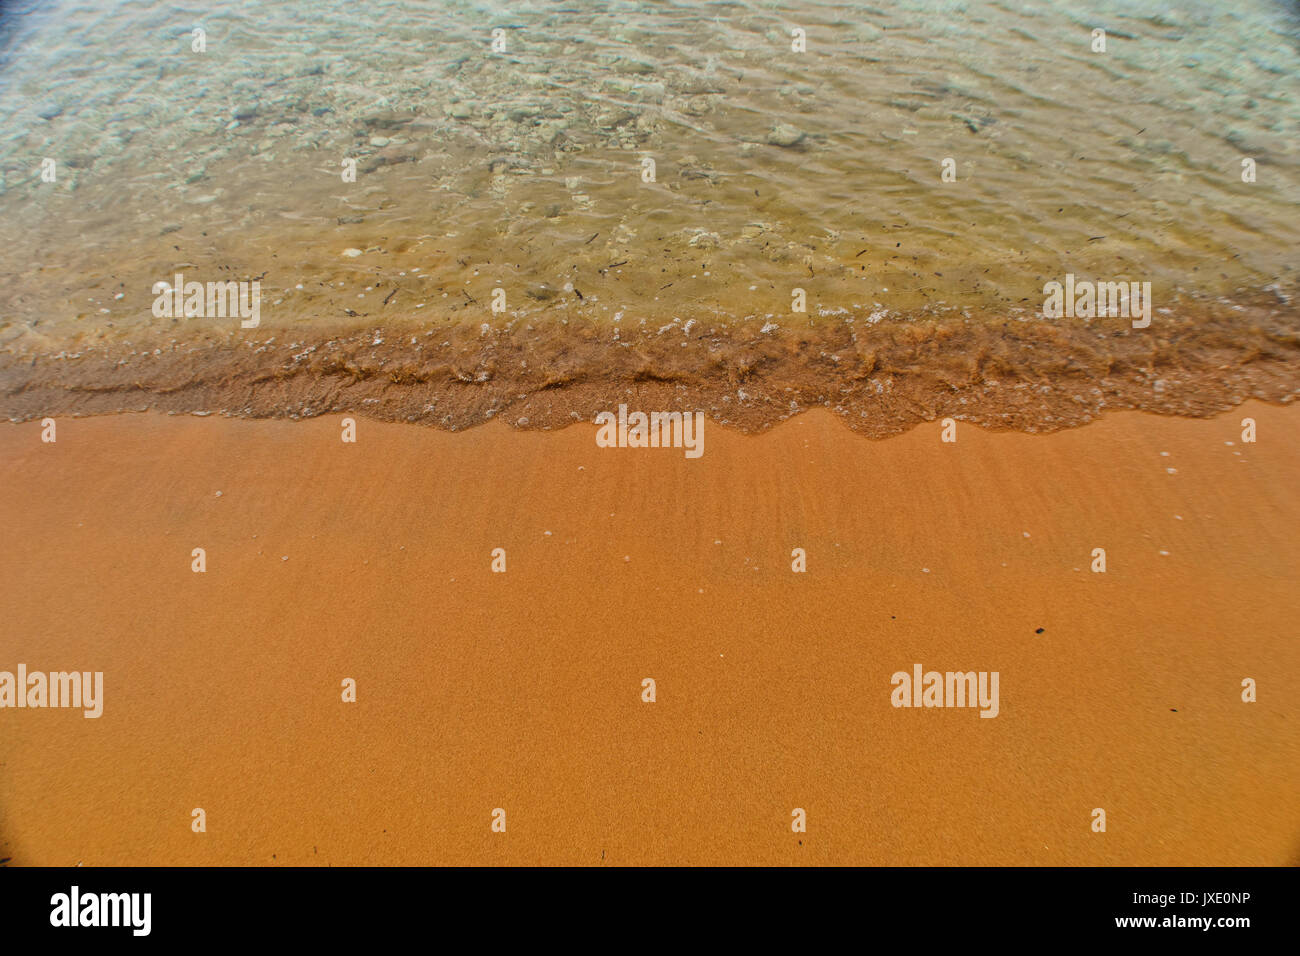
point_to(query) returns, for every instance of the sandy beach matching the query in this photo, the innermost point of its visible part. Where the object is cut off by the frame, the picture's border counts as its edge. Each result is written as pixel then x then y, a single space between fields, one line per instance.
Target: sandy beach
pixel 522 690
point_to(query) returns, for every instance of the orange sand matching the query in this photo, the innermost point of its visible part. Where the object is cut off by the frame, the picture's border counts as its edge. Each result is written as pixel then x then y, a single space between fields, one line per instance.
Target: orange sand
pixel 522 690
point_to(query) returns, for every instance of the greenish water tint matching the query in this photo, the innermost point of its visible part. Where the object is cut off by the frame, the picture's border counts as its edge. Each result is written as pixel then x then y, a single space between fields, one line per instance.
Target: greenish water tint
pixel 524 168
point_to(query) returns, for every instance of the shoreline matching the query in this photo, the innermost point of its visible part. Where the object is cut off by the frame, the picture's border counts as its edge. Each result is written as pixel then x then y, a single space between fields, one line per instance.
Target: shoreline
pixel 521 690
pixel 881 378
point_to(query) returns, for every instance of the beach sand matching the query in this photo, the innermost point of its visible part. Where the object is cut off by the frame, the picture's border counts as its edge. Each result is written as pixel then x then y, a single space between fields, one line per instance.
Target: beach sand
pixel 522 690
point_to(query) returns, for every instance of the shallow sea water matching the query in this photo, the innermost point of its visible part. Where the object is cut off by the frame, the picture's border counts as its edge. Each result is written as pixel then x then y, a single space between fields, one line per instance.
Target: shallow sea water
pixel 523 170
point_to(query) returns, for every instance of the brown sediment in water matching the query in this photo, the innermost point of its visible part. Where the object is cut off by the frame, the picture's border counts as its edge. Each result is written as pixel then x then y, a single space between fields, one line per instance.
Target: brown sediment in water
pixel 881 377
pixel 522 690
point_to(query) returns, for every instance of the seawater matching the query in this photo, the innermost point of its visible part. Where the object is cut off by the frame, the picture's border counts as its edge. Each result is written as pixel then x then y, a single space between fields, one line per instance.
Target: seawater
pixel 652 187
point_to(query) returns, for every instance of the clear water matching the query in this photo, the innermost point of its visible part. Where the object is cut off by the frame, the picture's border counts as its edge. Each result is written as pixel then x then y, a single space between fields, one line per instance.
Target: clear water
pixel 523 169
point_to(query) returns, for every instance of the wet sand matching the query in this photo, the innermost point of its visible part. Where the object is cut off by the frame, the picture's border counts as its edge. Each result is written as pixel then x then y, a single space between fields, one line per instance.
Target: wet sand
pixel 522 690
pixel 881 377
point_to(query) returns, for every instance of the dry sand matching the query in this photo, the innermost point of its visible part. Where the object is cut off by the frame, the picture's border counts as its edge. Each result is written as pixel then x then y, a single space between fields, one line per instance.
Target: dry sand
pixel 522 690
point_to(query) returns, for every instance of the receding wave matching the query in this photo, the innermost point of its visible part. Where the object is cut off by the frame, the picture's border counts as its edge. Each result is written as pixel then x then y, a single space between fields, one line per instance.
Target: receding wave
pixel 881 377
